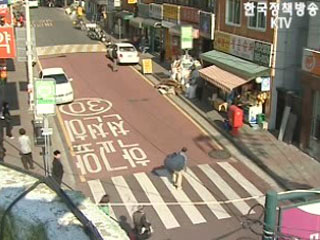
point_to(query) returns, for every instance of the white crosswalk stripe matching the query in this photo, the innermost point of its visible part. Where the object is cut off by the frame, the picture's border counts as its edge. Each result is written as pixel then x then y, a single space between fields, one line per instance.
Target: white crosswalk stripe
pixel 160 194
pixel 154 196
pixel 191 211
pixel 245 183
pixel 125 193
pixel 70 48
pixel 205 195
pixel 98 192
pixel 224 188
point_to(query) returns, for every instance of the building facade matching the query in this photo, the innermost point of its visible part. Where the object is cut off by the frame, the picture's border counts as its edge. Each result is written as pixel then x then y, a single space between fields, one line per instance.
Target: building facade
pixel 310 80
pixel 238 70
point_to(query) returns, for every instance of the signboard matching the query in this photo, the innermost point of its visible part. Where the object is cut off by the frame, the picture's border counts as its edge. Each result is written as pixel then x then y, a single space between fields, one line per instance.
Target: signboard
pixel 4 2
pixel 265 84
pixel 147 66
pixel 302 222
pixel 7 43
pixel 206 25
pixel 3 8
pixel 186 37
pixel 132 1
pixel 262 53
pixel 156 11
pixel 45 91
pixel 171 13
pixel 189 14
pixel 247 48
pixel 311 61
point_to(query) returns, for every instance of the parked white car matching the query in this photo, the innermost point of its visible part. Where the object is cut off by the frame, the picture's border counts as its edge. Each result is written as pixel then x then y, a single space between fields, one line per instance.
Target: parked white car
pixel 126 52
pixel 64 90
pixel 33 3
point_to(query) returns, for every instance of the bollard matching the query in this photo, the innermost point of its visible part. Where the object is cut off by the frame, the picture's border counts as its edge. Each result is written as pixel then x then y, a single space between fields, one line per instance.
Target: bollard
pixel 270 215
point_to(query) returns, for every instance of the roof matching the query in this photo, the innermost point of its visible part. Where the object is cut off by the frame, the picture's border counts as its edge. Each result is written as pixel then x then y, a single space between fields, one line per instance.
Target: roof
pixel 52 71
pixel 221 78
pixel 42 214
pixel 242 68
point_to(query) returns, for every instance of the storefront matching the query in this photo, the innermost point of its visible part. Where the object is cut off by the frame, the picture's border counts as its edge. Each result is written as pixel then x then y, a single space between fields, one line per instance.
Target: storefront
pixel 171 18
pixel 153 26
pixel 235 80
pixel 310 119
pixel 206 28
pixel 121 27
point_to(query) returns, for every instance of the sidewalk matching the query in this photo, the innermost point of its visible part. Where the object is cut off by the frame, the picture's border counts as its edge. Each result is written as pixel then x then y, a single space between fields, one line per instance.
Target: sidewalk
pixel 17 96
pixel 285 164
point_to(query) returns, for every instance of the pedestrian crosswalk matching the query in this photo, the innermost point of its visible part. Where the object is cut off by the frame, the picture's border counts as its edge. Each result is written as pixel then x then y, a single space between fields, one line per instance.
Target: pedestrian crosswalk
pixel 70 48
pixel 201 187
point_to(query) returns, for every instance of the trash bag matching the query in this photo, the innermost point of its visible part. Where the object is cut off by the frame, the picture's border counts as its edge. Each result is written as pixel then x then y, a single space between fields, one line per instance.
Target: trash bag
pixel 175 162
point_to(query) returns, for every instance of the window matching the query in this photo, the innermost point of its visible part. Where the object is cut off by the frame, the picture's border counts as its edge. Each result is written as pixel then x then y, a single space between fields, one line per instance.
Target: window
pixel 60 78
pixel 258 20
pixel 233 12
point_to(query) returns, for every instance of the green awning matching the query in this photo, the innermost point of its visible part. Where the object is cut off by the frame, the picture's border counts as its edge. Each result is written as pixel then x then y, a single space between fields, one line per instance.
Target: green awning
pixel 136 22
pixel 125 15
pixel 235 65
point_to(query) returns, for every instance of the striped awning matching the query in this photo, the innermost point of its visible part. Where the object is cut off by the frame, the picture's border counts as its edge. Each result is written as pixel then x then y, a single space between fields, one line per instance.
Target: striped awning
pixel 221 78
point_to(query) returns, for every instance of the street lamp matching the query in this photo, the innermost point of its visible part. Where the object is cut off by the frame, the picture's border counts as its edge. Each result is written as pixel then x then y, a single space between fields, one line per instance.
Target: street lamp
pixel 29 56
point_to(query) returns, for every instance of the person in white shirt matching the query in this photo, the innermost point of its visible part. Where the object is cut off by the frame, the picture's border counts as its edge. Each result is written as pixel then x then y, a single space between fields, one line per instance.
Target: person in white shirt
pixel 25 149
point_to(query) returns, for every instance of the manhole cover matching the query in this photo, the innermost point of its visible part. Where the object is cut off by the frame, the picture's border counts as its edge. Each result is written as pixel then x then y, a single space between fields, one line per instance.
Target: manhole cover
pixel 219 154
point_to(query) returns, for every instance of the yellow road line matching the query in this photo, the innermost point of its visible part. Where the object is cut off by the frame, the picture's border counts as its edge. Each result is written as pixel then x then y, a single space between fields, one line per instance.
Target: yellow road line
pixel 179 108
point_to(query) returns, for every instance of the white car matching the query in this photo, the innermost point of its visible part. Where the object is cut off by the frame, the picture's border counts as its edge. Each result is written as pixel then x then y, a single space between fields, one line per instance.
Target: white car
pixel 126 52
pixel 33 3
pixel 64 91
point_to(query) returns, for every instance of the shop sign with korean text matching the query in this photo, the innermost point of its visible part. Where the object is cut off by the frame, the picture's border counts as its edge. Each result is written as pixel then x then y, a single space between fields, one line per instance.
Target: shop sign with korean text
pixel 7 43
pixel 156 11
pixel 147 66
pixel 311 61
pixel 206 25
pixel 45 91
pixel 189 14
pixel 186 37
pixel 246 48
pixel 132 1
pixel 171 13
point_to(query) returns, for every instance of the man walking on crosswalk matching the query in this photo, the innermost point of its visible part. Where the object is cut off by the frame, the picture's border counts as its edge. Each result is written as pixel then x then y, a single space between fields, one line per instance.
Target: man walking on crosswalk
pixel 178 174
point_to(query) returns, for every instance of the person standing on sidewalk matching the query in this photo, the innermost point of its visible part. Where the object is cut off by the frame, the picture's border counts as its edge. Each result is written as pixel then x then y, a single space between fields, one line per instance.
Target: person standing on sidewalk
pixel 25 149
pixel 178 174
pixel 57 168
pixel 6 116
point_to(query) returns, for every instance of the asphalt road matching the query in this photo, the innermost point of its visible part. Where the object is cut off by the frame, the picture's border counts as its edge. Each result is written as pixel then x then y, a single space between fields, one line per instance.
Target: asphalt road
pixel 119 130
pixel 54 27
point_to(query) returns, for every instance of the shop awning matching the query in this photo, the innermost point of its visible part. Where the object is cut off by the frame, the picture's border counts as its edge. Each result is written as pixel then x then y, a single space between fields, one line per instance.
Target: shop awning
pixel 136 22
pixel 167 24
pixel 221 78
pixel 176 30
pixel 151 23
pixel 125 15
pixel 238 66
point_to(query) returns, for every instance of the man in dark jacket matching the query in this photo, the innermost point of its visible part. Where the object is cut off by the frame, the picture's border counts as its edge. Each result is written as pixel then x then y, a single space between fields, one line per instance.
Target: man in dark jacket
pixel 114 59
pixel 57 168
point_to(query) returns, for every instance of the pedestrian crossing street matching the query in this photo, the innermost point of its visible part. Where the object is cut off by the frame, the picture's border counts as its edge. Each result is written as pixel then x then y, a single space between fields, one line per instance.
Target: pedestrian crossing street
pixel 209 192
pixel 70 48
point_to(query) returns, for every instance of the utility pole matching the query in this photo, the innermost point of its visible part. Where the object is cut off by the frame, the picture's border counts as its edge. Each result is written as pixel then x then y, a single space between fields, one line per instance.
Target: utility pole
pixel 29 56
